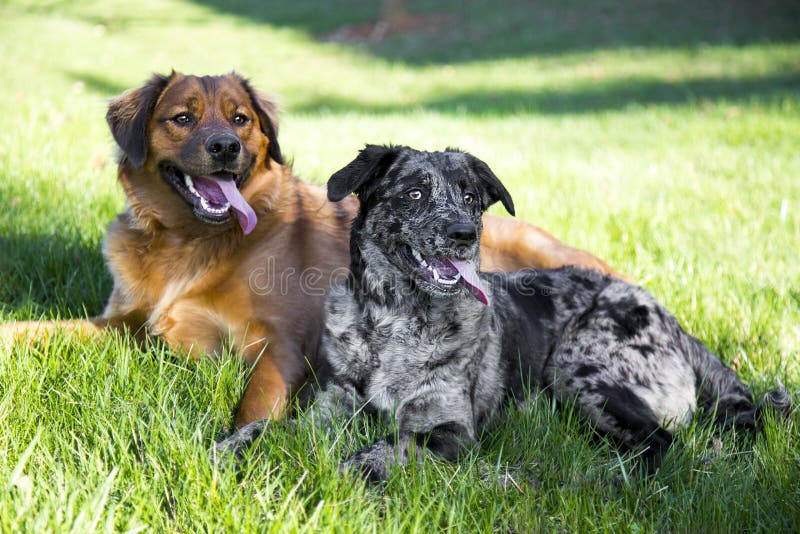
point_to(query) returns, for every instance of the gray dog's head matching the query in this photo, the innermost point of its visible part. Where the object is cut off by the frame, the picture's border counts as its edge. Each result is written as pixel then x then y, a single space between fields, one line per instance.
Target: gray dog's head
pixel 420 217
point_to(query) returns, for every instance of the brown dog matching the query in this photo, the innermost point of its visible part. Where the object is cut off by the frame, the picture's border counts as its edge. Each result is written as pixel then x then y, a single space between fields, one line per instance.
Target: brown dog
pixel 221 244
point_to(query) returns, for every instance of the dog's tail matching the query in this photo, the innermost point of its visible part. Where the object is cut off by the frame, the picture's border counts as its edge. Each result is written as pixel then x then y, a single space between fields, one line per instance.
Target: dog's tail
pixel 721 392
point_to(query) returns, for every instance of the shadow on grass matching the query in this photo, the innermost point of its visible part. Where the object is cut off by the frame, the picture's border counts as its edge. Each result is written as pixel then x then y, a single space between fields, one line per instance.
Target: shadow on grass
pixel 586 98
pixel 52 275
pixel 478 29
pixel 99 84
pixel 614 95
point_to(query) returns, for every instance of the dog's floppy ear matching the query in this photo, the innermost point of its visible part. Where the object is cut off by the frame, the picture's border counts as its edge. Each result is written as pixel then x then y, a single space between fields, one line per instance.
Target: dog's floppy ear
pixel 372 162
pixel 128 115
pixel 492 185
pixel 267 111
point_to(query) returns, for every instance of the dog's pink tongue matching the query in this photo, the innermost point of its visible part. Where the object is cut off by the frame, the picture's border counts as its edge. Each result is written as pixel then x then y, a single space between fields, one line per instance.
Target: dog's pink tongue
pixel 245 214
pixel 471 280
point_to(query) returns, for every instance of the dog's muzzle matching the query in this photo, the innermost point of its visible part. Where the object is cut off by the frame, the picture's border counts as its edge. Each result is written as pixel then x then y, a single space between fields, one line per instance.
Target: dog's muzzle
pixel 215 197
pixel 447 274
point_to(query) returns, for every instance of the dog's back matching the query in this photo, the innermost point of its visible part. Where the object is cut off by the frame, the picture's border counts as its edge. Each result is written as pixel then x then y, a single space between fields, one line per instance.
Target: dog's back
pixel 618 354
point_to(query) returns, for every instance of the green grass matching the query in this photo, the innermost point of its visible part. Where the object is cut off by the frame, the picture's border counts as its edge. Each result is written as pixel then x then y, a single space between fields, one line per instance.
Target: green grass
pixel 661 136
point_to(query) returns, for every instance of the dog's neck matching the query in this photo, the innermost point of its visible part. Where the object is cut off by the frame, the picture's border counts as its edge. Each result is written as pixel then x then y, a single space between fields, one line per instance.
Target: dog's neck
pixel 374 278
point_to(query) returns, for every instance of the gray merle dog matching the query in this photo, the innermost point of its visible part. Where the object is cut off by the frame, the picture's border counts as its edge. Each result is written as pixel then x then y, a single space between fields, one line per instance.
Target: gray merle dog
pixel 417 335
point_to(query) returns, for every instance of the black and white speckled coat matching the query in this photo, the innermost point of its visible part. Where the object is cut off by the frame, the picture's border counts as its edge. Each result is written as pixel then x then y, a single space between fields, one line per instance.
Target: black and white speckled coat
pixel 442 363
pixel 411 336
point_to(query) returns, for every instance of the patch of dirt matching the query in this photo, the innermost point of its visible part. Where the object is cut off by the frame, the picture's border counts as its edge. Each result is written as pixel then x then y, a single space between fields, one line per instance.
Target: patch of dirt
pixel 375 32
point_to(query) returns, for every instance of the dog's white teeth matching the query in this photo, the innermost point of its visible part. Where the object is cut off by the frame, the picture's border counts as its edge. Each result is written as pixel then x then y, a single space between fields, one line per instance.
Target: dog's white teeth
pixel 190 184
pixel 444 281
pixel 448 281
pixel 220 210
pixel 419 258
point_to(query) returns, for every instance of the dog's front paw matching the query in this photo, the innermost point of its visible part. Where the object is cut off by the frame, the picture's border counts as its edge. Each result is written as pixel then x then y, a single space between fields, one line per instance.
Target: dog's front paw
pixel 231 451
pixel 373 463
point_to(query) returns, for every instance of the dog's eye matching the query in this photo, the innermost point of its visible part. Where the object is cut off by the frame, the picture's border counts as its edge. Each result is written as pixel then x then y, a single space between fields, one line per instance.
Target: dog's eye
pixel 469 198
pixel 182 118
pixel 240 119
pixel 414 194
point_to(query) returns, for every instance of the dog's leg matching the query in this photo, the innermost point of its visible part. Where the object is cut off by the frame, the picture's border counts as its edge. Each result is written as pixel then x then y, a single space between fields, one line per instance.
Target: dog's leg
pixel 267 394
pixel 446 441
pixel 427 424
pixel 624 364
pixel 620 396
pixel 278 367
pixel 722 392
pixel 627 417
pixel 616 410
pixel 231 450
pixel 334 402
pixel 85 329
pixel 374 463
pixel 30 331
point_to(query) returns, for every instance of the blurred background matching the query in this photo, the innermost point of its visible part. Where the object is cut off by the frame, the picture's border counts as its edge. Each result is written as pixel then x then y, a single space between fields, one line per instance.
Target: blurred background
pixel 662 135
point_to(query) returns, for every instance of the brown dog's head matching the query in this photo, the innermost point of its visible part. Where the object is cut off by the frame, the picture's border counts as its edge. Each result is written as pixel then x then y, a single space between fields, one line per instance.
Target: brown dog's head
pixel 198 138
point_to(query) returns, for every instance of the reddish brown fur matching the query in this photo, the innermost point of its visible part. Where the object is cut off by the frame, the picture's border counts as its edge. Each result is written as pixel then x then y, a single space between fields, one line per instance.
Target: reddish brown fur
pixel 200 286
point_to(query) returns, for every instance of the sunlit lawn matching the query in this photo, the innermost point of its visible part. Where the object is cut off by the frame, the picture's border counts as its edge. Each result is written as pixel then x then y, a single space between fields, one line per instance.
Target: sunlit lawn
pixel 663 138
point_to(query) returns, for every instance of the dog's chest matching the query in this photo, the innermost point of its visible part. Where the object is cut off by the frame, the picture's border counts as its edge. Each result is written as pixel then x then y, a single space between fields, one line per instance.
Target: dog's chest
pixel 191 299
pixel 396 356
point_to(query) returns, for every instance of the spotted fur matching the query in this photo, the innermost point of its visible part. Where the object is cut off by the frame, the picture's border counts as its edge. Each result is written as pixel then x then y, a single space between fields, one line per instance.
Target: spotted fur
pixel 441 364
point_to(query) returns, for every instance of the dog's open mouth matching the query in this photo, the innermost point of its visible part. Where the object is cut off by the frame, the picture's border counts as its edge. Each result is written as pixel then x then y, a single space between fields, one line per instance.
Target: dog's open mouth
pixel 212 197
pixel 448 275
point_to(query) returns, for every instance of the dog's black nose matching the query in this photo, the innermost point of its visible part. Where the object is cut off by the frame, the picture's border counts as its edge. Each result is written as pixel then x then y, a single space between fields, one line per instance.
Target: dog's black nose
pixel 223 147
pixel 462 233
